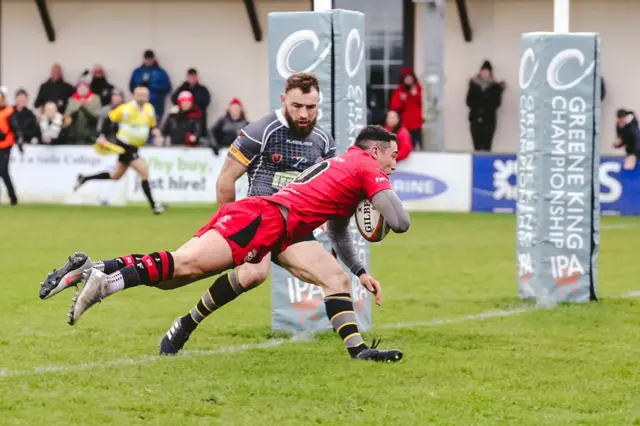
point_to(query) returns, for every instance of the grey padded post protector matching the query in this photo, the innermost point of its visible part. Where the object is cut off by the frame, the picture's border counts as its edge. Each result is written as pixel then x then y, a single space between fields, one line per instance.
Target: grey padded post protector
pixel 557 208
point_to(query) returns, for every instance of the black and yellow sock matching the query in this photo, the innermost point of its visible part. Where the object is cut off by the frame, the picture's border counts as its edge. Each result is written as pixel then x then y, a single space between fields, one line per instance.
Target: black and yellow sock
pixel 223 290
pixel 343 319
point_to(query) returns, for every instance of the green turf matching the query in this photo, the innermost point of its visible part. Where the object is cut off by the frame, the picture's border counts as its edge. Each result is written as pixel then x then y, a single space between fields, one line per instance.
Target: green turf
pixel 571 365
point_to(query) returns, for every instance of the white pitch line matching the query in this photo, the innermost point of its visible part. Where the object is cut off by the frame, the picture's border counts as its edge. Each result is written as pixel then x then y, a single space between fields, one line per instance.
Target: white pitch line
pixel 138 361
pixel 273 343
pixel 617 226
pixel 453 320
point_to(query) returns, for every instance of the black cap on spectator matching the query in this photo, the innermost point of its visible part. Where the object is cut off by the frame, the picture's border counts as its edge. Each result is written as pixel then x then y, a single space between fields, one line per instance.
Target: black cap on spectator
pixel 192 71
pixel 21 91
pixel 148 54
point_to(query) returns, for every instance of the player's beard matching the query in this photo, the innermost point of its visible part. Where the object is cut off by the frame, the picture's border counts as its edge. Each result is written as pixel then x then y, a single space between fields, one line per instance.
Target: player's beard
pixel 299 132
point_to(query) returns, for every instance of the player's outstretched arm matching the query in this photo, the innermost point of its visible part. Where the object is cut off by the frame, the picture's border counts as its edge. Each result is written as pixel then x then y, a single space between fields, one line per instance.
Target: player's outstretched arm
pixel 390 207
pixel 342 242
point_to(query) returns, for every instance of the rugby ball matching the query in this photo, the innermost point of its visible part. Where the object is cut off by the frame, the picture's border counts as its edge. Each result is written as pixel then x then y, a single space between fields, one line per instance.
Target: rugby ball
pixel 370 222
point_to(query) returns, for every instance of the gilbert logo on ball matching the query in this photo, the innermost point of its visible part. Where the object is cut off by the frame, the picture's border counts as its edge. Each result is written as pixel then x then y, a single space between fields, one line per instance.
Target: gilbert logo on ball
pixel 370 222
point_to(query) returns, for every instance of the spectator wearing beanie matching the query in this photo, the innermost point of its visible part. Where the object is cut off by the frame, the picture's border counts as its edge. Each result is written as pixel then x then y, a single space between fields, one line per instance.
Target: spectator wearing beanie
pixel 484 97
pixel 184 123
pixel 105 126
pixel 100 86
pixel 227 128
pixel 407 100
pixel 83 109
pixel 201 95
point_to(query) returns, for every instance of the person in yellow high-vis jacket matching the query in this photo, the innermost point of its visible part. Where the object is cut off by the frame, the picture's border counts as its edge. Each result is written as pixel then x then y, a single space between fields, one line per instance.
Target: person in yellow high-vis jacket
pixel 136 120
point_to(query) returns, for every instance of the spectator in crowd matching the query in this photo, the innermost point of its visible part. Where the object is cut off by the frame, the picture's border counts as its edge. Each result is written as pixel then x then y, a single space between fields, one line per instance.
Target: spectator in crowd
pixel 201 95
pixel 100 86
pixel 9 135
pixel 484 97
pixel 628 136
pixel 54 89
pixel 156 79
pixel 407 99
pixel 227 128
pixel 184 123
pixel 52 124
pixel 26 119
pixel 84 110
pixel 393 123
pixel 105 126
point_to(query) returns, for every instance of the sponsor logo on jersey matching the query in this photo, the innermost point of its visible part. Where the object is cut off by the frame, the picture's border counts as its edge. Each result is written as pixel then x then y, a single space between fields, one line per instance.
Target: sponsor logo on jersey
pixel 221 222
pixel 299 161
pixel 381 179
pixel 303 143
pixel 251 255
pixel 282 179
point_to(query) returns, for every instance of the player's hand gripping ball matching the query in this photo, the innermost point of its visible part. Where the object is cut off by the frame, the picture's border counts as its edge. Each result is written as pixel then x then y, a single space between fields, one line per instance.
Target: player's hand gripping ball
pixel 371 224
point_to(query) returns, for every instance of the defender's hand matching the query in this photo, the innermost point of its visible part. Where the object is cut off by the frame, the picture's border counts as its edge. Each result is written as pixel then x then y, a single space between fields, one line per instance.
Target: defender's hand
pixel 101 140
pixel 373 286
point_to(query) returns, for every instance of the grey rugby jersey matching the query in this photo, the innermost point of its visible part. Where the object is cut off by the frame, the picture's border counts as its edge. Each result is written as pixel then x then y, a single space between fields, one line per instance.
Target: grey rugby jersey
pixel 273 156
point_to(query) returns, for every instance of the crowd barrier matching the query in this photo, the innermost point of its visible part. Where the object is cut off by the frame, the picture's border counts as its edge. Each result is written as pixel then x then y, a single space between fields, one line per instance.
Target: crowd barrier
pixel 444 182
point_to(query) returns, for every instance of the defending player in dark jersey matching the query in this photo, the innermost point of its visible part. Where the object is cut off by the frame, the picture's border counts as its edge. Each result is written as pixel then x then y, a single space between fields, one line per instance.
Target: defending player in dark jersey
pixel 250 229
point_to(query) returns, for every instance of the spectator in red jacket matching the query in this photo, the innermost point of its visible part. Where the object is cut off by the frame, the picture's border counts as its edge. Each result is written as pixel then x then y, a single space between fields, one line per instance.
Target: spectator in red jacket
pixel 183 126
pixel 407 99
pixel 393 123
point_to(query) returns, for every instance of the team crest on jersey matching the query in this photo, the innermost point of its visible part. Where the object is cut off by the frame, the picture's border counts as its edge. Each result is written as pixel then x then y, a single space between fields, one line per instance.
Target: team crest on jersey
pixel 251 255
pixel 276 158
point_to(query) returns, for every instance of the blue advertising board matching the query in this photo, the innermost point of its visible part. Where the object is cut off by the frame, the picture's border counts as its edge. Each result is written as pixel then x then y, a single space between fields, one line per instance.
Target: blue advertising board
pixel 494 186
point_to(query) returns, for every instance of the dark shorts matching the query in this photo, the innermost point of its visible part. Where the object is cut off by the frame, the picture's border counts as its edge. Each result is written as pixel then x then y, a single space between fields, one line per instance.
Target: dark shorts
pixel 130 153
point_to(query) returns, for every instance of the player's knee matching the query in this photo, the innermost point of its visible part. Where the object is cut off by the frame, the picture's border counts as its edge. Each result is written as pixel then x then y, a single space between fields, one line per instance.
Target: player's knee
pixel 337 282
pixel 251 278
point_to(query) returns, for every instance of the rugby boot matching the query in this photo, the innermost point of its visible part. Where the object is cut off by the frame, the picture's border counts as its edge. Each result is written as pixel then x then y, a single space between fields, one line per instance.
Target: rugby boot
pixel 94 285
pixel 69 274
pixel 374 354
pixel 174 340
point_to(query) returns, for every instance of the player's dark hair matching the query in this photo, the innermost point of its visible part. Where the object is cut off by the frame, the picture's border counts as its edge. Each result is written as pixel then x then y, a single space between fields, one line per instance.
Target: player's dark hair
pixel 374 135
pixel 304 81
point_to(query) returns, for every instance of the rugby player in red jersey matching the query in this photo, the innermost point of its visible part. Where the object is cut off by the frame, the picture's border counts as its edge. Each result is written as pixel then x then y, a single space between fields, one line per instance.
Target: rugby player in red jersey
pixel 246 231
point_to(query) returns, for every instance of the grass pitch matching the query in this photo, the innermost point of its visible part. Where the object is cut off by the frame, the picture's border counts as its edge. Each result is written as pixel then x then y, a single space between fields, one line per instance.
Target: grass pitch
pixel 570 365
